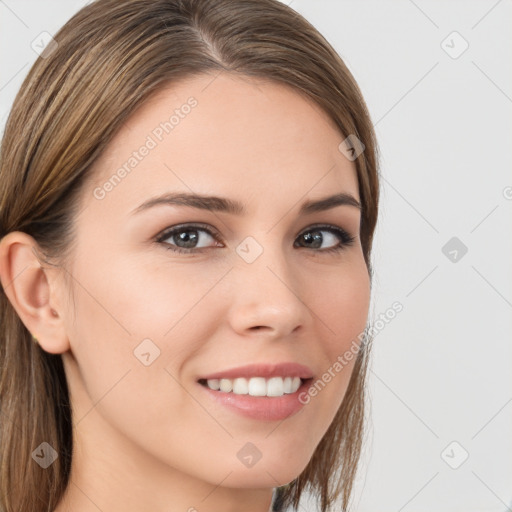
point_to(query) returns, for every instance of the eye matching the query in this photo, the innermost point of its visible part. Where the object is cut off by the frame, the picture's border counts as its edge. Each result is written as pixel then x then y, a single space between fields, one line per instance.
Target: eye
pixel 189 237
pixel 313 238
pixel 186 237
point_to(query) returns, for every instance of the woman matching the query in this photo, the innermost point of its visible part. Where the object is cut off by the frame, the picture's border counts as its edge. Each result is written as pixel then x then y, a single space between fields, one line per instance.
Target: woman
pixel 189 192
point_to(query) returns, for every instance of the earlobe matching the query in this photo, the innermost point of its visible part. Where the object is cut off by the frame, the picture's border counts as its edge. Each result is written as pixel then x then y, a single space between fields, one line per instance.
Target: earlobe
pixel 27 286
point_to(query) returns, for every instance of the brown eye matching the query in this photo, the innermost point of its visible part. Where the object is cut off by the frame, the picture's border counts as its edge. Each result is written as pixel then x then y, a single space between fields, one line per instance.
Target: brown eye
pixel 188 238
pixel 313 238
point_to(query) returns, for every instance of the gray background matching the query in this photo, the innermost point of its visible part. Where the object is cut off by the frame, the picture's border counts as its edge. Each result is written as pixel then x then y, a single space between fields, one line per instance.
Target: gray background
pixel 441 370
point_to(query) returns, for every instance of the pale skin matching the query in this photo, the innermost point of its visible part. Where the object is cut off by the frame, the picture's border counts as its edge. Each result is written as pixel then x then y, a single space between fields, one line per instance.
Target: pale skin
pixel 146 438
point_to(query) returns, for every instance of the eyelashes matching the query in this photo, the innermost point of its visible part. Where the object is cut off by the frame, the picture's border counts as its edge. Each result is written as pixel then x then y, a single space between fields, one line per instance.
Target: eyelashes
pixel 311 237
pixel 186 228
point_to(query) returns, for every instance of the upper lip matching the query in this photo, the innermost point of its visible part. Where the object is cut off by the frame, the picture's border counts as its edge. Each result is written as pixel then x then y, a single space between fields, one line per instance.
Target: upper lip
pixel 263 370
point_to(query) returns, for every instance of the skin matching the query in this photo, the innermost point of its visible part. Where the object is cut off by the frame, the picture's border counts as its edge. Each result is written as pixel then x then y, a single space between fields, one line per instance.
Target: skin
pixel 147 437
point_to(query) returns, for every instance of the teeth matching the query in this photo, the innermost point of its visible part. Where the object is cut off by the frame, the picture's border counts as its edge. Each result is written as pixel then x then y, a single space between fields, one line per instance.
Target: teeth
pixel 256 386
pixel 226 385
pixel 287 384
pixel 240 387
pixel 213 384
pixel 275 386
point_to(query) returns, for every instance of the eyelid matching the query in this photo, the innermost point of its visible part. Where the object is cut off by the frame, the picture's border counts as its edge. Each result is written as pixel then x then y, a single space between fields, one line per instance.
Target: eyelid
pixel 166 232
pixel 324 225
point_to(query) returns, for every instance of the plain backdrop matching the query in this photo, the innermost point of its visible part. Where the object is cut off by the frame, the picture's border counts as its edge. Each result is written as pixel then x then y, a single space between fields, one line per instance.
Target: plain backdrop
pixel 437 78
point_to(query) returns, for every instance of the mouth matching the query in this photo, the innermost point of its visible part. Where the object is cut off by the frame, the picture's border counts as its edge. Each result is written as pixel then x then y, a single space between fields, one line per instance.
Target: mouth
pixel 256 386
pixel 265 392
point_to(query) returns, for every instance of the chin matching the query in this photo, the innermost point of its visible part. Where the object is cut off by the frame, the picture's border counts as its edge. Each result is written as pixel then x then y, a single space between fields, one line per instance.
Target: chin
pixel 272 473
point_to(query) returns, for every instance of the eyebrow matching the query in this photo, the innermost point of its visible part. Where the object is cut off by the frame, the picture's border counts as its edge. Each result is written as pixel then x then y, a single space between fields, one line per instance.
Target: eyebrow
pixel 221 204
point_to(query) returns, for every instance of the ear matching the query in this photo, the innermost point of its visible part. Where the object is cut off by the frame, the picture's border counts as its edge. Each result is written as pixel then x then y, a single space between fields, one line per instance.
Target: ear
pixel 28 287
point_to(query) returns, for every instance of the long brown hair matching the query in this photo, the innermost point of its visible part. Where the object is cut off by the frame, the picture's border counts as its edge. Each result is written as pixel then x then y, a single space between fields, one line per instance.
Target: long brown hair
pixel 109 58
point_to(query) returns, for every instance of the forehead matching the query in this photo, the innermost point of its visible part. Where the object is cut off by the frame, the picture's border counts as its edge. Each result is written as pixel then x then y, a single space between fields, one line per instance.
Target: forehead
pixel 224 134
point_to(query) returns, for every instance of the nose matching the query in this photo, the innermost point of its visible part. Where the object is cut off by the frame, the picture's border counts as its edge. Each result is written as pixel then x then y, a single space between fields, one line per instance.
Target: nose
pixel 266 297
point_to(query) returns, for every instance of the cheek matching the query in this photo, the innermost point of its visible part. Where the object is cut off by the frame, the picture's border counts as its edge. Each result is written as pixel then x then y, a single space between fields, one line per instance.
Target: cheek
pixel 115 310
pixel 133 313
pixel 136 299
pixel 340 305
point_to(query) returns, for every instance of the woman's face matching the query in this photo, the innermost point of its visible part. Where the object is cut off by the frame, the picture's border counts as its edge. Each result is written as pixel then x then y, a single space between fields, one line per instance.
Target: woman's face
pixel 260 287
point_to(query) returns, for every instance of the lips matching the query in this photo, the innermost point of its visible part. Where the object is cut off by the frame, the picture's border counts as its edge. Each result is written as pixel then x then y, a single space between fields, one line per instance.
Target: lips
pixel 262 408
pixel 265 392
pixel 289 369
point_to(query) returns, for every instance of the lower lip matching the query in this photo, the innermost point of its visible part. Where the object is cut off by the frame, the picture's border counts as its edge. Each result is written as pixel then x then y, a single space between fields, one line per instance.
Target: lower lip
pixel 261 407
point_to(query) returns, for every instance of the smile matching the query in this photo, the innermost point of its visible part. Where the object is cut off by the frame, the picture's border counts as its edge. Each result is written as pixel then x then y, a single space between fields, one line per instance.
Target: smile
pixel 255 386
